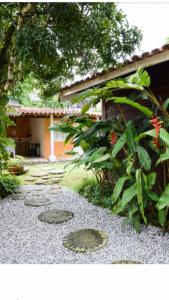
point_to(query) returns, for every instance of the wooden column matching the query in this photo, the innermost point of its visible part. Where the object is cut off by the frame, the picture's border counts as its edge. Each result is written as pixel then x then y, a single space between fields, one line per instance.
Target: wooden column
pixel 52 142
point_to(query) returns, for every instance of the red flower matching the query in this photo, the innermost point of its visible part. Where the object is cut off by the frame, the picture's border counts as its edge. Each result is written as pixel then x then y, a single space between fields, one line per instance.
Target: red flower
pixel 157 125
pixel 113 138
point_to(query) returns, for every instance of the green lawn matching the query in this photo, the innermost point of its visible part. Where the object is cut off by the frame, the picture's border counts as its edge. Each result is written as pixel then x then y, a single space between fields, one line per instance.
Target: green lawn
pixel 71 178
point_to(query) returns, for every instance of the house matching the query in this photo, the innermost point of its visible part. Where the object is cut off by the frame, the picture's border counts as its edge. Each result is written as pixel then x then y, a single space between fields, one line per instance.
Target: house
pixel 32 135
pixel 155 62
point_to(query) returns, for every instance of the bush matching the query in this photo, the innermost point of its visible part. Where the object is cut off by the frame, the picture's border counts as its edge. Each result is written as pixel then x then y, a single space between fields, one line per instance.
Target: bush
pixel 18 160
pixel 8 185
pixel 96 194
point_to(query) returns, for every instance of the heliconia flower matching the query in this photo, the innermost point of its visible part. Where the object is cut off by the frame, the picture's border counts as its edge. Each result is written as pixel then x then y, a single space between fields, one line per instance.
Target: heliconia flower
pixel 113 138
pixel 157 125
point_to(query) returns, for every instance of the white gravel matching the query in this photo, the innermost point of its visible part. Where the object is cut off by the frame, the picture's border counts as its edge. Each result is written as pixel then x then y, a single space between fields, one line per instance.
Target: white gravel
pixel 24 239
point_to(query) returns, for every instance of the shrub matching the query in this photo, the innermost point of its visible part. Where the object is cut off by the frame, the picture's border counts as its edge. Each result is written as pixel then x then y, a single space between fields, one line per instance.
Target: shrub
pixel 8 185
pixel 96 194
pixel 18 160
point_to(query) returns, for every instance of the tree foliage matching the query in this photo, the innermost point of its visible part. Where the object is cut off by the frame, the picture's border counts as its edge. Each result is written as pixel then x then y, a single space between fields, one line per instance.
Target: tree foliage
pixel 54 41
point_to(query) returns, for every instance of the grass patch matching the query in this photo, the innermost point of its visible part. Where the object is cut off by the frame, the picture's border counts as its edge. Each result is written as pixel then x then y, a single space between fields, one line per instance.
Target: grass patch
pixel 71 178
pixel 96 194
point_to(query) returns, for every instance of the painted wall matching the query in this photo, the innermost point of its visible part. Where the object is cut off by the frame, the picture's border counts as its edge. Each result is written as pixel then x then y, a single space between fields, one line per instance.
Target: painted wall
pixel 21 130
pixel 37 131
pixel 59 146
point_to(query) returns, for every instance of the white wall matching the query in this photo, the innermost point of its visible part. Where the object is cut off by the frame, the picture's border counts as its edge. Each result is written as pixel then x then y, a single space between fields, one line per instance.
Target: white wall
pixel 37 127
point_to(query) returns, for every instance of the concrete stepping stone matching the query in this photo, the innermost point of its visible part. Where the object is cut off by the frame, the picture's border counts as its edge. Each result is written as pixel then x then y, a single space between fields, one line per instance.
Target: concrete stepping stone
pixel 39 182
pixel 29 179
pixel 85 240
pixel 39 174
pixel 55 181
pixel 55 216
pixel 37 201
pixel 17 197
pixel 46 177
pixel 55 172
pixel 126 262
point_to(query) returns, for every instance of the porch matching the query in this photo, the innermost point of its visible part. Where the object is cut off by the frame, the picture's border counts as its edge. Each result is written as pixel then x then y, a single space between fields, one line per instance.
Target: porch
pixel 32 136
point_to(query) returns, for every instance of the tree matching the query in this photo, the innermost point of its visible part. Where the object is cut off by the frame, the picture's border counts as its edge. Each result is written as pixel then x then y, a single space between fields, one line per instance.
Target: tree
pixel 54 41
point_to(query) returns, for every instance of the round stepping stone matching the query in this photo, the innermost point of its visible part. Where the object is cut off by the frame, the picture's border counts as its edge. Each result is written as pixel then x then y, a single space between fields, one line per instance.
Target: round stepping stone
pixel 126 262
pixel 38 182
pixel 37 201
pixel 37 190
pixel 85 240
pixel 39 174
pixel 17 197
pixel 55 172
pixel 45 177
pixel 30 179
pixel 55 216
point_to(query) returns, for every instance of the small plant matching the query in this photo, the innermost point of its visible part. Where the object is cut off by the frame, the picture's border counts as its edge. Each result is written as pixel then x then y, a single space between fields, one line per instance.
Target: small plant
pixel 15 165
pixel 96 194
pixel 8 185
pixel 16 161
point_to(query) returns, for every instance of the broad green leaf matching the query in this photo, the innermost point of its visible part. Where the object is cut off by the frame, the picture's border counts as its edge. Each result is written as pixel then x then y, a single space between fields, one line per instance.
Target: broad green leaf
pixel 144 158
pixel 85 108
pixel 68 138
pixel 139 194
pixel 71 152
pixel 118 188
pixel 128 195
pixel 162 158
pixel 162 214
pixel 164 199
pixel 153 196
pixel 151 178
pixel 136 223
pixel 130 164
pixel 141 77
pixel 84 145
pixel 82 96
pixel 164 135
pixel 130 136
pixel 166 103
pixel 146 111
pixel 117 84
pixel 119 145
pixel 63 128
pixel 132 210
pixel 103 158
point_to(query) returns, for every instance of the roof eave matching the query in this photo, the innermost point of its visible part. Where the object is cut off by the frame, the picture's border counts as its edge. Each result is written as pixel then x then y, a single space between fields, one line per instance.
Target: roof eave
pixel 69 92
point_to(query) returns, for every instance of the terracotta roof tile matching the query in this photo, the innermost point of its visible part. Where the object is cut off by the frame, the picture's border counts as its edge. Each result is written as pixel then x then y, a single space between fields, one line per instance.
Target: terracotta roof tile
pixel 126 62
pixel 45 112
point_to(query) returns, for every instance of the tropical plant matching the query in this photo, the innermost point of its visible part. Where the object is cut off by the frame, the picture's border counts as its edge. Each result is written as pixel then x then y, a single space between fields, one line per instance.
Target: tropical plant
pixel 141 148
pixel 96 140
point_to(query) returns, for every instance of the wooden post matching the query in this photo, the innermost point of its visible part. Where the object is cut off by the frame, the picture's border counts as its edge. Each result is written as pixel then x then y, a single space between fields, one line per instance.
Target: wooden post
pixel 52 142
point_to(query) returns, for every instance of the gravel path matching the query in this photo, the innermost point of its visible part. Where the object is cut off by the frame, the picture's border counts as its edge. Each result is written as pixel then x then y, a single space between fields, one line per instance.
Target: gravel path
pixel 24 239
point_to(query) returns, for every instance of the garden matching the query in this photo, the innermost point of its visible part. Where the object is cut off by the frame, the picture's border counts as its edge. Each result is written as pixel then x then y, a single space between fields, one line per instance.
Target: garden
pixel 123 169
pixel 111 204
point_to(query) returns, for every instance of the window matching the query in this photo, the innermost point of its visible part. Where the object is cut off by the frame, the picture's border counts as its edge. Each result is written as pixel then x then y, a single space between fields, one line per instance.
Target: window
pixel 59 136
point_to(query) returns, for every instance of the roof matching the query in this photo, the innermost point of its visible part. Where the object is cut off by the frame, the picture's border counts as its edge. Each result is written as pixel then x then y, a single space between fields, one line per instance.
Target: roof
pixel 45 112
pixel 146 59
